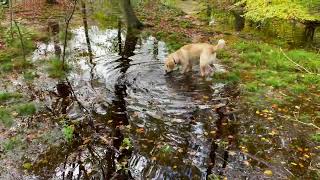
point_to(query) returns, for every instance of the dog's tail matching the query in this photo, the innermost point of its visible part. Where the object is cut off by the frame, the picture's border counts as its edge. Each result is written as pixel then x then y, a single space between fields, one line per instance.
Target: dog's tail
pixel 221 44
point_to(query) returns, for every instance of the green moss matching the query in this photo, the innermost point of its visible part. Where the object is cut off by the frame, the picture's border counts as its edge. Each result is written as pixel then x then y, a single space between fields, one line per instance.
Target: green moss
pixel 229 77
pixel 6 67
pixel 298 89
pixel 252 87
pixel 55 69
pixel 62 35
pixel 173 40
pixel 316 137
pixel 26 109
pixel 29 76
pixel 5 96
pixel 12 143
pixel 5 117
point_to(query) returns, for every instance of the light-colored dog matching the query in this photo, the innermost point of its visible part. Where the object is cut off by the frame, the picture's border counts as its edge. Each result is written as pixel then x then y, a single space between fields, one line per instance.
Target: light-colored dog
pixel 197 53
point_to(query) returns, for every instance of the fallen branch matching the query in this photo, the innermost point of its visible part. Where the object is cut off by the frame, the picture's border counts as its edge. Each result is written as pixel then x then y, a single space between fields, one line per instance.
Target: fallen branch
pixel 300 66
pixel 304 123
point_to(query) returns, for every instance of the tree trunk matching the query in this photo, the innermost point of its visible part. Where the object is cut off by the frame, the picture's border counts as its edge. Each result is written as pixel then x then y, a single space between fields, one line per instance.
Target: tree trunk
pixel 131 19
pixel 52 2
pixel 86 29
pixel 239 22
pixel 309 31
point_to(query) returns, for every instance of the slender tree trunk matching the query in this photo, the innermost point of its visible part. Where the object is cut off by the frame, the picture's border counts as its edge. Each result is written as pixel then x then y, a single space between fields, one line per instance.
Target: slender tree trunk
pixel 85 24
pixel 119 37
pixel 309 31
pixel 131 19
pixel 21 41
pixel 239 22
pixel 68 19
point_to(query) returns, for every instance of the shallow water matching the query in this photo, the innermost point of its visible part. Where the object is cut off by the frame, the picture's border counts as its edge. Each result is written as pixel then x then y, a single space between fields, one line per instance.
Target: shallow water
pixel 175 111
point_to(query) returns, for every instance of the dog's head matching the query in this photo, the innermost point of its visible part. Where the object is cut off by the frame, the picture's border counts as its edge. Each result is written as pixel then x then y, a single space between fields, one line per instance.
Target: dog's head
pixel 170 64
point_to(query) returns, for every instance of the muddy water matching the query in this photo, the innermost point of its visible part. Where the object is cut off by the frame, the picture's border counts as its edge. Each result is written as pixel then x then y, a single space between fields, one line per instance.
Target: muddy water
pixel 169 119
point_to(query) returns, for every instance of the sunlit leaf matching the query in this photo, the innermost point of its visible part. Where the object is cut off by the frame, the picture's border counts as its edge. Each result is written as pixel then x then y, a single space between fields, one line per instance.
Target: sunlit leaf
pixel 27 166
pixel 294 164
pixel 268 172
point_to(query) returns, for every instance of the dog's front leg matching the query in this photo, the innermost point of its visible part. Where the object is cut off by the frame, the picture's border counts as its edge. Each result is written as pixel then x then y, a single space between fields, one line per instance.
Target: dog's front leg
pixel 185 68
pixel 203 70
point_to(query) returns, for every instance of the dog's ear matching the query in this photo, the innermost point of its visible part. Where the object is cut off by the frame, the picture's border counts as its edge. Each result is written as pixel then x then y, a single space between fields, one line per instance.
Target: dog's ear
pixel 175 59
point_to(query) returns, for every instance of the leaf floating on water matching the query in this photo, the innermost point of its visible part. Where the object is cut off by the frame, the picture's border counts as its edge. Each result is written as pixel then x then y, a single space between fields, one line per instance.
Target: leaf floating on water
pixel 300 149
pixel 246 163
pixel 294 164
pixel 135 114
pixel 306 156
pixel 243 149
pixel 27 166
pixel 232 153
pixel 268 172
pixel 273 132
pixel 87 141
pixel 140 130
pixel 301 165
pixel 205 97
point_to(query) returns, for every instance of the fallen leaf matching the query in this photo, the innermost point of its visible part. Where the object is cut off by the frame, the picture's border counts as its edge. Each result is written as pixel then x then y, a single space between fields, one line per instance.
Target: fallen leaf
pixel 140 130
pixel 294 164
pixel 268 172
pixel 301 165
pixel 246 163
pixel 232 153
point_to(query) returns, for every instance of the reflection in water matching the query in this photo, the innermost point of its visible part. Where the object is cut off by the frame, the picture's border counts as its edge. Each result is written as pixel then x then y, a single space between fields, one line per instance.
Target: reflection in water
pixel 164 112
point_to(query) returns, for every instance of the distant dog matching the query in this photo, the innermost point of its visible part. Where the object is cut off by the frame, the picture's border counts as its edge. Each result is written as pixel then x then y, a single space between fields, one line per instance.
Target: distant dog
pixel 197 53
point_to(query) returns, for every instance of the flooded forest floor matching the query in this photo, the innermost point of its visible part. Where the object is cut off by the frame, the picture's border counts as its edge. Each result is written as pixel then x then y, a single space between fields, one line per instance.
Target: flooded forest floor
pixel 110 112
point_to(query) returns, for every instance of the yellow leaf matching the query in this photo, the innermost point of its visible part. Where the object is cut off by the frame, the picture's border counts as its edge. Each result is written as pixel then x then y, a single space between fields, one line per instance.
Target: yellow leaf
pixel 174 167
pixel 301 165
pixel 306 156
pixel 268 172
pixel 246 163
pixel 292 163
pixel 232 153
pixel 257 112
